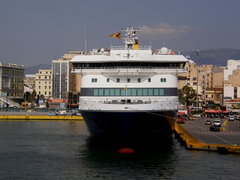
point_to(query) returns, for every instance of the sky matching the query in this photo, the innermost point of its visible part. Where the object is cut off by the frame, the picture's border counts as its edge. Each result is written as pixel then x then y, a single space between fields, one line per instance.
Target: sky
pixel 36 32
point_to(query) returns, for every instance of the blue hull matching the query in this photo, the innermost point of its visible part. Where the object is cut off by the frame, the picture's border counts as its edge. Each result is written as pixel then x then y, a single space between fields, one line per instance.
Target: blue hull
pixel 130 126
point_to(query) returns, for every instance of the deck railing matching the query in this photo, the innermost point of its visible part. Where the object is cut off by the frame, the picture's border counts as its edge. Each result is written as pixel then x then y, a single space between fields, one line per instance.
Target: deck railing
pixel 125 48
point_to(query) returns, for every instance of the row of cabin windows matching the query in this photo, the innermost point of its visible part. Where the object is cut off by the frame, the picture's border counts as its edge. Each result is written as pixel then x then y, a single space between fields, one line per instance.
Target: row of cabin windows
pixel 49 82
pixel 44 77
pixel 94 80
pixel 128 92
pixel 45 87
pixel 45 72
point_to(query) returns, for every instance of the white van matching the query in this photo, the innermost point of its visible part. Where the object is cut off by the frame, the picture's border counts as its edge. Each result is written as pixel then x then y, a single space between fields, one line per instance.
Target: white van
pixel 61 112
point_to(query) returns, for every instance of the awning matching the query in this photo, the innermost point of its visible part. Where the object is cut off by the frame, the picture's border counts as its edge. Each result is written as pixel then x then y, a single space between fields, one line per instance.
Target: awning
pixel 215 111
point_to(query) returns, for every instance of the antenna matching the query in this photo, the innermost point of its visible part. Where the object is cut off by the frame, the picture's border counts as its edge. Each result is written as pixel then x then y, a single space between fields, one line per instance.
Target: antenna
pixel 85 38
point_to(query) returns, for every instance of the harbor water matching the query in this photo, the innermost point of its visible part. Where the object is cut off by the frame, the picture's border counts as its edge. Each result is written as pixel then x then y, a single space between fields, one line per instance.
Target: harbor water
pixel 63 150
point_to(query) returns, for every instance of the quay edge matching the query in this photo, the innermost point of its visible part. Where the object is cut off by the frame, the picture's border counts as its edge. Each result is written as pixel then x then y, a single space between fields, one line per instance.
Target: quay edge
pixel 194 144
pixel 39 117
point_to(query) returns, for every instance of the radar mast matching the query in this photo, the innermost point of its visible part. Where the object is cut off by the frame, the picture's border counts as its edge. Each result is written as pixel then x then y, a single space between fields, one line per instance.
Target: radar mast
pixel 131 38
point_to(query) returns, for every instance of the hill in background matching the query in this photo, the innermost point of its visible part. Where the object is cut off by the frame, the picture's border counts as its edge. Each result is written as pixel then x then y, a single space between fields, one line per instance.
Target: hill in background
pixel 34 69
pixel 216 57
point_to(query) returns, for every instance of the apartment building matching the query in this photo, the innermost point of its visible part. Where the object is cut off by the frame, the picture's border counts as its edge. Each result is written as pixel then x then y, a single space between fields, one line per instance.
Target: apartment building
pixel 189 77
pixel 206 80
pixel 43 83
pixel 232 80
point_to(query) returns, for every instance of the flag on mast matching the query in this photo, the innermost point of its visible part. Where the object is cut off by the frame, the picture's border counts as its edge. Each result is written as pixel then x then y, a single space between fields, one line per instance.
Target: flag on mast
pixel 116 35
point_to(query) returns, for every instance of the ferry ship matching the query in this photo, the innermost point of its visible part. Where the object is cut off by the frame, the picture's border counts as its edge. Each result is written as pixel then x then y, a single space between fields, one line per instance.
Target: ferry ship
pixel 129 92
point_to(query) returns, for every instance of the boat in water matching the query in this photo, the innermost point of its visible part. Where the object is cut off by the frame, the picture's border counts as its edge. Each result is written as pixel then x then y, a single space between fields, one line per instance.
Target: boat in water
pixel 129 92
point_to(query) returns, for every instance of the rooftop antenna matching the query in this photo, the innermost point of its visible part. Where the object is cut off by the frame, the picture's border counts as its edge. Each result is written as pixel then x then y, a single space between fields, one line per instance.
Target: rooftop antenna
pixel 85 38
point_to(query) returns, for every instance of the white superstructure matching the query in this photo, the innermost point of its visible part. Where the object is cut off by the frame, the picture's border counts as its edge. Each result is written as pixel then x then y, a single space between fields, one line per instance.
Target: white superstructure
pixel 129 78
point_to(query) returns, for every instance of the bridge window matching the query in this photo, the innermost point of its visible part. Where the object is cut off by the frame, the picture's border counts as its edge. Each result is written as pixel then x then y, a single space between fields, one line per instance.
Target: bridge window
pixel 100 93
pixel 156 92
pixel 134 92
pixel 95 92
pixel 117 92
pixel 129 92
pixel 123 92
pixel 106 92
pixel 161 92
pixel 139 91
pixel 112 92
pixel 150 92
pixel 145 91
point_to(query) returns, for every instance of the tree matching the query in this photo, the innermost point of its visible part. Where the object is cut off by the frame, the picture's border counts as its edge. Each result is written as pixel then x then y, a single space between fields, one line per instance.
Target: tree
pixel 30 97
pixel 187 95
pixel 34 94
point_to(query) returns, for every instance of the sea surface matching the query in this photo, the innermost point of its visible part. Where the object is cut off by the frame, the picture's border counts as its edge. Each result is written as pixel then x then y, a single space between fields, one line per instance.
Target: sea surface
pixel 63 150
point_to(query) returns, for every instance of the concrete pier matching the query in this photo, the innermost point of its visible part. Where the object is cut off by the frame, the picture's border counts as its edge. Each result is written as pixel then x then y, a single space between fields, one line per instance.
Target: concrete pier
pixel 36 116
pixel 197 136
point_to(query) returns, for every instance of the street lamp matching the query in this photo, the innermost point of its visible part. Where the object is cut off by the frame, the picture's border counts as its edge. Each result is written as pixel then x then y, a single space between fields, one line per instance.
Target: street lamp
pixel 197 53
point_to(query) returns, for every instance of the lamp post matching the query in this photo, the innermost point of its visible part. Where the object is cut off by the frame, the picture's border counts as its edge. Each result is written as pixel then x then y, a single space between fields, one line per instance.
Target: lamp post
pixel 197 53
pixel 25 100
pixel 223 88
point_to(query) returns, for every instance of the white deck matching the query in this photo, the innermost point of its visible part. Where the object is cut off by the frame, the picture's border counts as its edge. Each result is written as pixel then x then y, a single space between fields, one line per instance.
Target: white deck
pixel 124 57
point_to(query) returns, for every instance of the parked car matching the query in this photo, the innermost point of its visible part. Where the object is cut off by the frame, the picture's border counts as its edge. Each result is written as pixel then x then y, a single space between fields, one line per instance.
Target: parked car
pixel 180 120
pixel 231 118
pixel 197 115
pixel 217 122
pixel 208 122
pixel 76 113
pixel 215 127
pixel 51 113
pixel 238 117
pixel 61 112
pixel 191 118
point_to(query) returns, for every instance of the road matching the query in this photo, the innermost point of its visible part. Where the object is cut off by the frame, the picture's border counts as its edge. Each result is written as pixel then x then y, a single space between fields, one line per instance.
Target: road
pixel 230 134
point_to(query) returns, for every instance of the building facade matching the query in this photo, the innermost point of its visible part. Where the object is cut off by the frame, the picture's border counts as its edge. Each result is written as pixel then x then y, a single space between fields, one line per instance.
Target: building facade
pixel 43 83
pixel 66 85
pixel 232 80
pixel 29 82
pixel 189 77
pixel 12 81
pixel 60 78
pixel 206 80
pixel 232 85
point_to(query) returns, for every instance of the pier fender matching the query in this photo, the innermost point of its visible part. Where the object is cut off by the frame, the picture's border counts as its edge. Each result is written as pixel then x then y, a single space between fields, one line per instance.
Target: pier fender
pixel 126 151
